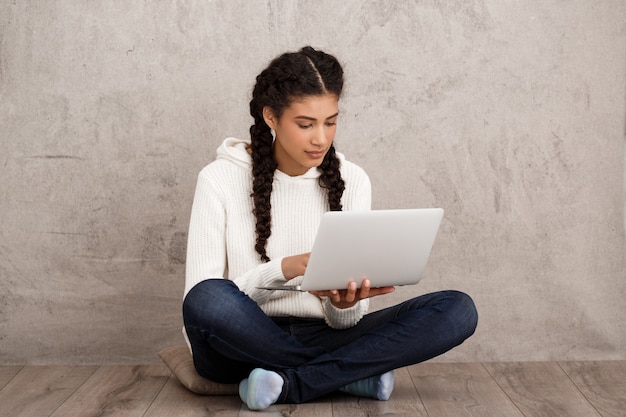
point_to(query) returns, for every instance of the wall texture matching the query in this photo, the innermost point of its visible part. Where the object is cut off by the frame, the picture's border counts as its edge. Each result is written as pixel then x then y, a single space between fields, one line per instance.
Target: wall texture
pixel 510 115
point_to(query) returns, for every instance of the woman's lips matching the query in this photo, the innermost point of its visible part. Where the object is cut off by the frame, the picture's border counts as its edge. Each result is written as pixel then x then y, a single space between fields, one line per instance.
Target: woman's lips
pixel 316 154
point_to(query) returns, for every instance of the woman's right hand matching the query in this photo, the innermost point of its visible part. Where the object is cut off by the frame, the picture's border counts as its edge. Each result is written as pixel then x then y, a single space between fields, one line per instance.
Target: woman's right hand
pixel 294 266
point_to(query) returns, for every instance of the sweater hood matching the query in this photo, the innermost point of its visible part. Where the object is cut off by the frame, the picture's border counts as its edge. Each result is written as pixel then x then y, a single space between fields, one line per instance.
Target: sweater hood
pixel 236 151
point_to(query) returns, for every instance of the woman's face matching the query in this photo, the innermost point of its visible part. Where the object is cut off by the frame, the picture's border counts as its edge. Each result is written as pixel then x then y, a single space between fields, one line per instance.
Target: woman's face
pixel 304 132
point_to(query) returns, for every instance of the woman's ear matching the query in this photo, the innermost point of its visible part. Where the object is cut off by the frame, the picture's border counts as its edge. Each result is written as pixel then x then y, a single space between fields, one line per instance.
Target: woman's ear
pixel 268 116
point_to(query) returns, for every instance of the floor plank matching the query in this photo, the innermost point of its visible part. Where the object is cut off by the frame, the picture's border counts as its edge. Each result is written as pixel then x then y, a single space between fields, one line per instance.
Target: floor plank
pixel 124 391
pixel 426 390
pixel 541 389
pixel 404 401
pixel 39 390
pixel 319 408
pixel 176 400
pixel 602 383
pixel 460 390
pixel 7 373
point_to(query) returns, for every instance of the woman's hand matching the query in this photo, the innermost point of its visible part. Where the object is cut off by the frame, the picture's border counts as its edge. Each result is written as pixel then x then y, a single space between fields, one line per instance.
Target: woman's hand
pixel 294 266
pixel 350 296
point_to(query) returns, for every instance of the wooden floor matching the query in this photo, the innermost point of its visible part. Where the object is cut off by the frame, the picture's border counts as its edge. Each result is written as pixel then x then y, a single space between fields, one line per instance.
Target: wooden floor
pixel 568 389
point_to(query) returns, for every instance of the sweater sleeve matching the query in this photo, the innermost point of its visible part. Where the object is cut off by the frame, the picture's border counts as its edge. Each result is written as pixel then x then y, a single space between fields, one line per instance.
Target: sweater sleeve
pixel 206 251
pixel 358 193
pixel 338 318
pixel 206 245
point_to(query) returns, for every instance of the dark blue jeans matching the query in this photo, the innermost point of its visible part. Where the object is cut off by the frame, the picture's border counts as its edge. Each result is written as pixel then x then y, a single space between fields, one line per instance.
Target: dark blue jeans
pixel 230 335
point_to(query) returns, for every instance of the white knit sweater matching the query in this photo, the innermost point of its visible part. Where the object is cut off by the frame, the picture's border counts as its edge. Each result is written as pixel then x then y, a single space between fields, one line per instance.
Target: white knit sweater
pixel 222 231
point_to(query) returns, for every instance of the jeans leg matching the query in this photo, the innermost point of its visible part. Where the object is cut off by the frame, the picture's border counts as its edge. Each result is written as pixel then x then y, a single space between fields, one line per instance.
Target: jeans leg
pixel 230 335
pixel 409 333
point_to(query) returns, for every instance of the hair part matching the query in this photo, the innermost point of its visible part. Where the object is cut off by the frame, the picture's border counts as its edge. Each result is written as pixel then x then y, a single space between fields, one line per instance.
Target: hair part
pixel 289 77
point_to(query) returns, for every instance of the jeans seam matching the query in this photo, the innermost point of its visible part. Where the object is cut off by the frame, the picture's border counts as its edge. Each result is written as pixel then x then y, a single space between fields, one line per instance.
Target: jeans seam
pixel 285 392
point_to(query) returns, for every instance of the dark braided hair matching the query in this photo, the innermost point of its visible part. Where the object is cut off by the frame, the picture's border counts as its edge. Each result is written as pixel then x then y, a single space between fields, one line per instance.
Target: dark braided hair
pixel 292 75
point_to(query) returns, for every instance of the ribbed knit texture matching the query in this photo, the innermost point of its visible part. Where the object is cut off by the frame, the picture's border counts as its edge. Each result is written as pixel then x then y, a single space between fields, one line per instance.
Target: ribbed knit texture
pixel 222 231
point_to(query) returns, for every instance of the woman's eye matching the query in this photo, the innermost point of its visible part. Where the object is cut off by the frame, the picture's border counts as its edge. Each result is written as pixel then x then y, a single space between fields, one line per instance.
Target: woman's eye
pixel 304 126
pixel 331 124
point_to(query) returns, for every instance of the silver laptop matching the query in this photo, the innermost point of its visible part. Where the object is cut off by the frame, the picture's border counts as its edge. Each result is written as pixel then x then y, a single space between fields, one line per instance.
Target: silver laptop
pixel 388 247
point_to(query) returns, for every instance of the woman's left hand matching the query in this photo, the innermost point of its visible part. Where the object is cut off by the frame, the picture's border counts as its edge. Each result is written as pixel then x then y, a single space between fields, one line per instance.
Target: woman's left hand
pixel 350 296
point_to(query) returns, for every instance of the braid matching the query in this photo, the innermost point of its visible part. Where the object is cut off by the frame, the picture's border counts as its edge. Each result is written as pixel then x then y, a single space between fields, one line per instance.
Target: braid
pixel 263 167
pixel 330 179
pixel 290 76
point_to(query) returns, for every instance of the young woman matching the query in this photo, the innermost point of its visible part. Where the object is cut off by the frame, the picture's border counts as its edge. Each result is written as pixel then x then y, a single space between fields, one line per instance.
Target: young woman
pixel 255 214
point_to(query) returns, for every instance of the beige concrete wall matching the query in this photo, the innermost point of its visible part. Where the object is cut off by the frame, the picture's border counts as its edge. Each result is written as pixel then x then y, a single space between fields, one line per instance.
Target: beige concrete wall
pixel 508 114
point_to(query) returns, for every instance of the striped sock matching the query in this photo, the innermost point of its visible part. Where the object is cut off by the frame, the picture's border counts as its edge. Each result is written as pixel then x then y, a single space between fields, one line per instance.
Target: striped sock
pixel 378 387
pixel 261 389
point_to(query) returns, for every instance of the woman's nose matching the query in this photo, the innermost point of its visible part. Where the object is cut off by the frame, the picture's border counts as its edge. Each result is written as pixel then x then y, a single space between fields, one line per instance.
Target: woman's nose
pixel 320 137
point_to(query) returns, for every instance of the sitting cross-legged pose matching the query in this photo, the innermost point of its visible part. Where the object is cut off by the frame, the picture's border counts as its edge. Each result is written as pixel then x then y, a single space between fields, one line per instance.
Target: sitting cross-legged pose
pixel 255 214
